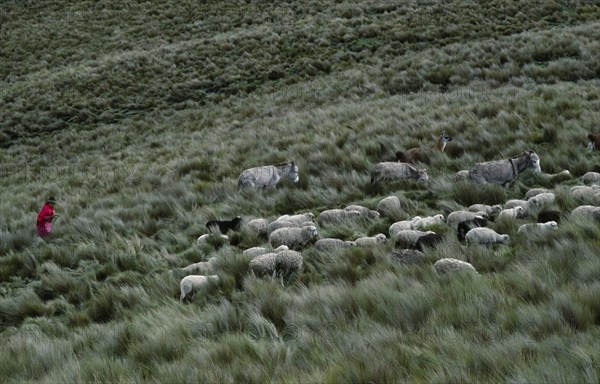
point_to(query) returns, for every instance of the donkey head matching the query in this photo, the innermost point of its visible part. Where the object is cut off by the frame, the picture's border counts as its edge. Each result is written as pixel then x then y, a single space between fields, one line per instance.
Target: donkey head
pixel 533 160
pixel 293 174
pixel 422 176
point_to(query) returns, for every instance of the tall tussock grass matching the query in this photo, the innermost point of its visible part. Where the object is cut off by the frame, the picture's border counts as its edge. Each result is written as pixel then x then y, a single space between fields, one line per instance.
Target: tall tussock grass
pixel 141 122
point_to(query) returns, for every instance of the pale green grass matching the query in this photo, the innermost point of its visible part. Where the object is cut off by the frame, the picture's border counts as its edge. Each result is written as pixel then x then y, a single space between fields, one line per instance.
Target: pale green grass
pixel 139 119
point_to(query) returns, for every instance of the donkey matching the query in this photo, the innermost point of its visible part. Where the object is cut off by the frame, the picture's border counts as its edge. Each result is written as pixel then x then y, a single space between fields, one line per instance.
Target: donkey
pixel 417 154
pixel 504 172
pixel 262 177
pixel 594 141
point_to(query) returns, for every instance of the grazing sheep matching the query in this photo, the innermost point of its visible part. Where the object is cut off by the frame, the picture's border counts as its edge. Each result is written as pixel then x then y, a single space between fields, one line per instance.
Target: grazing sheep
pixel 462 175
pixel 269 175
pixel 591 178
pixel 407 239
pixel 407 256
pixel 504 172
pixel 364 211
pixel 201 267
pixel 224 226
pixel 586 192
pixel 429 221
pixel 594 142
pixel 280 224
pixel 482 235
pixel 282 264
pixel 397 171
pixel 489 210
pixel 456 217
pixel 546 216
pixel 403 225
pixel 257 251
pixel 430 240
pixel 332 245
pixel 534 192
pixel 537 228
pixel 263 265
pixel 515 203
pixel 204 238
pixel 538 201
pixel 336 216
pixel 389 206
pixel 287 263
pixel 258 226
pixel 465 226
pixel 190 284
pixel 298 219
pixel 418 154
pixel 293 237
pixel 511 213
pixel 447 265
pixel 586 211
pixel 372 241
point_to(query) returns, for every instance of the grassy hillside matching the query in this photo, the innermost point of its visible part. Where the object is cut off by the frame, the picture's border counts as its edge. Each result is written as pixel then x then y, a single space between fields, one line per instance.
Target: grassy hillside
pixel 139 117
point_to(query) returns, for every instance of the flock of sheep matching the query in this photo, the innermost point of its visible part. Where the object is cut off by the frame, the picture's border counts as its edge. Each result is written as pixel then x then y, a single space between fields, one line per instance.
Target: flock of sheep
pixel 290 234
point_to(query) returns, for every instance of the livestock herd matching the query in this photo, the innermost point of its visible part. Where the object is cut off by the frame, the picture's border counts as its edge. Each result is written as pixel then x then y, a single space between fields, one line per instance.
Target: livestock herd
pixel 290 234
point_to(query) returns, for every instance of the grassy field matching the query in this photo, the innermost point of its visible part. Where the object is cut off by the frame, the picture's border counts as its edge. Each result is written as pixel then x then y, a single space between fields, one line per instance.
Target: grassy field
pixel 139 117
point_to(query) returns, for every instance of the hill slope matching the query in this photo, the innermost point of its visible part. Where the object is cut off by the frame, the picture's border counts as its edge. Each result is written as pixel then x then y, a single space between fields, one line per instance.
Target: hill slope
pixel 139 118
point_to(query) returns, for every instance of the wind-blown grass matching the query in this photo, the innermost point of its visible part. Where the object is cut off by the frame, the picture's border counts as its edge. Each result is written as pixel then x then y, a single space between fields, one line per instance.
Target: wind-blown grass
pixel 140 118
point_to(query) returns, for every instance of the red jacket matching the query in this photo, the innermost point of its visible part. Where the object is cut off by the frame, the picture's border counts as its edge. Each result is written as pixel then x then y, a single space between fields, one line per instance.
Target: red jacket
pixel 46 214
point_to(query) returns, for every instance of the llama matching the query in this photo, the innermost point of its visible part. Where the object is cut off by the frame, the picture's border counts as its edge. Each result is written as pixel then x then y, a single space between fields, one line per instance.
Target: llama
pixel 417 154
pixel 504 172
pixel 262 177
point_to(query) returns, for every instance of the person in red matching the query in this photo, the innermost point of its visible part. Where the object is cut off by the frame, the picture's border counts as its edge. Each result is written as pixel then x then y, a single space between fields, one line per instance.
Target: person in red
pixel 44 218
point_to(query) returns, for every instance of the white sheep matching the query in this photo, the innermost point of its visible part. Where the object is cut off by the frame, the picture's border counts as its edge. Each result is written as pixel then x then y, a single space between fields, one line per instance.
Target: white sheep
pixel 408 238
pixel 258 226
pixel 447 265
pixel 462 175
pixel 428 221
pixel 538 201
pixel 204 238
pixel 586 192
pixel 364 211
pixel 371 241
pixel 201 267
pixel 490 210
pixel 190 284
pixel 537 228
pixel 483 235
pixel 534 192
pixel 511 213
pixel 287 263
pixel 283 264
pixel 263 265
pixel 293 237
pixel 591 178
pixel 298 219
pixel 457 217
pixel 332 245
pixel 336 216
pixel 257 251
pixel 389 206
pixel 403 225
pixel 515 203
pixel 586 212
